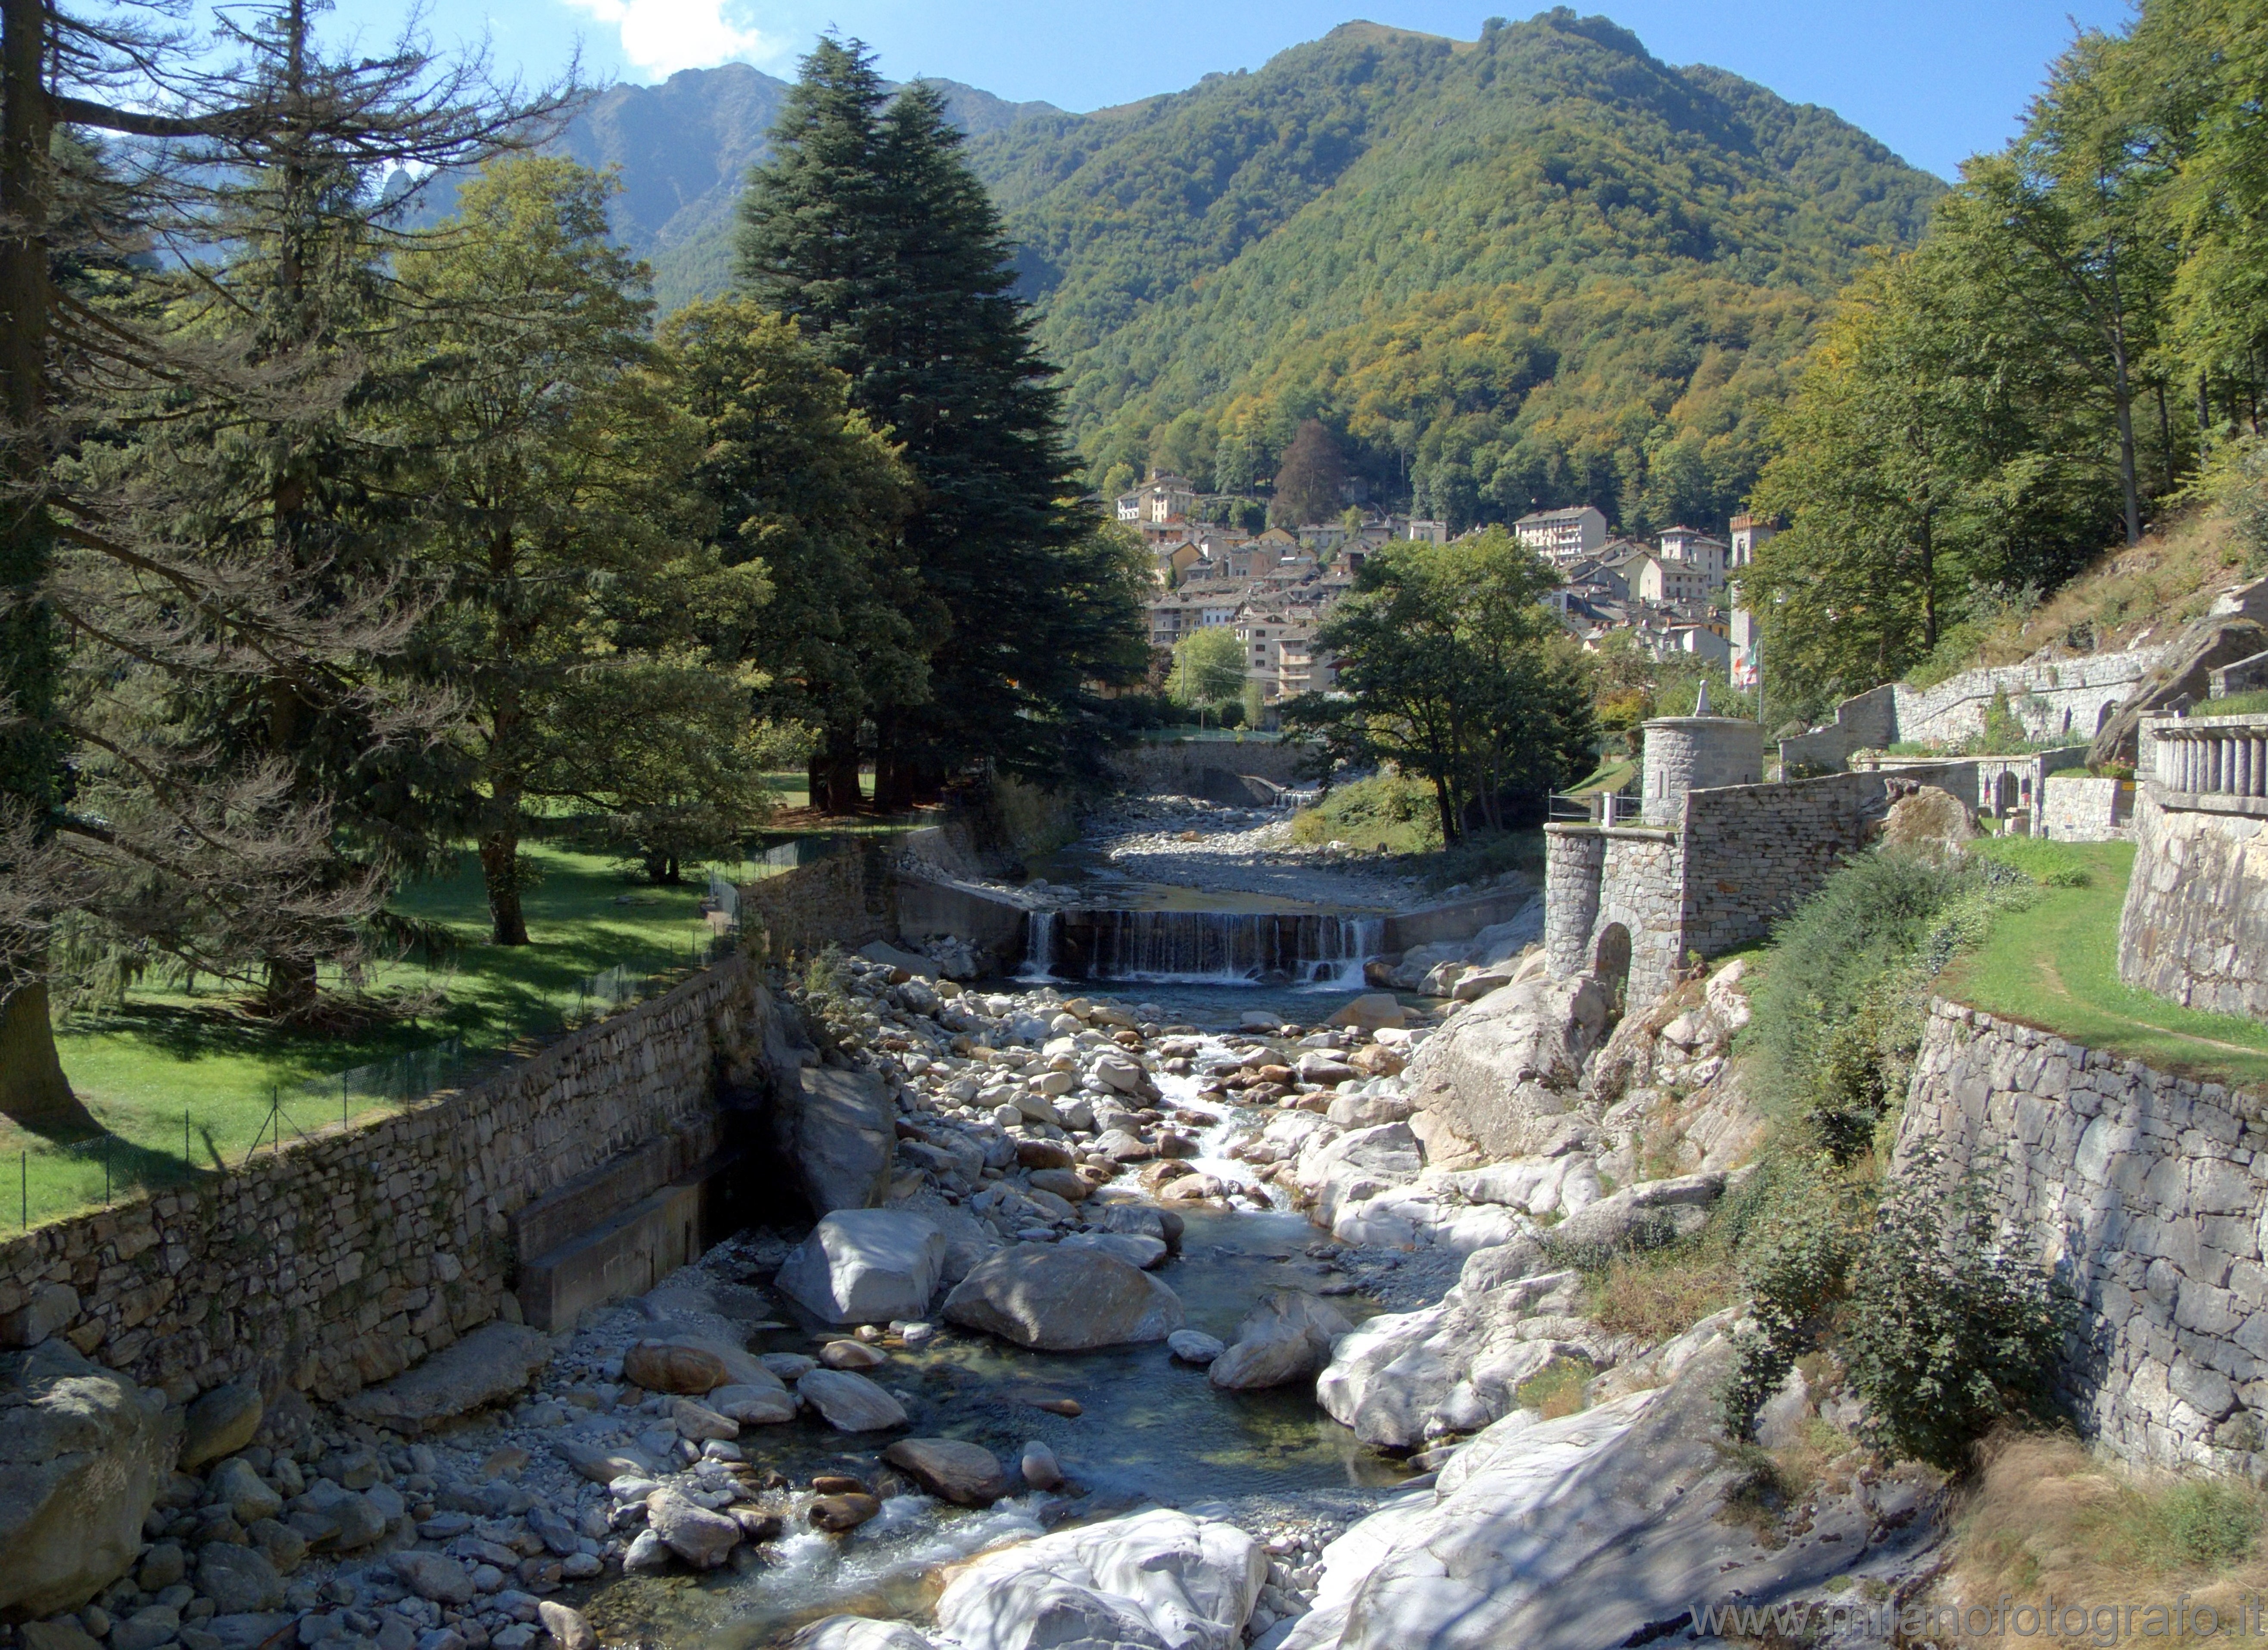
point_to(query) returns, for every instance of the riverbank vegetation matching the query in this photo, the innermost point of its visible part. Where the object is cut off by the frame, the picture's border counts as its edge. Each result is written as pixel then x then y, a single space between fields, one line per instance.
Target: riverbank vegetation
pixel 2074 349
pixel 1451 669
pixel 344 545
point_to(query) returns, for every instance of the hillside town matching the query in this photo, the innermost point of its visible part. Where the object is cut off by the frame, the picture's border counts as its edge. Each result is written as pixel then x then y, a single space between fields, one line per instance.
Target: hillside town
pixel 1678 593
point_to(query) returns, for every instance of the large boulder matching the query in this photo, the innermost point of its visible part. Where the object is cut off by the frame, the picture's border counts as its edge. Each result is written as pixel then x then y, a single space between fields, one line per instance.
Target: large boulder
pixel 839 1130
pixel 2216 640
pixel 83 1453
pixel 866 1266
pixel 1157 1581
pixel 1288 1336
pixel 1057 1300
pixel 1597 1529
pixel 1500 1079
pixel 1651 1214
pixel 219 1423
pixel 1402 1378
pixel 493 1362
pixel 1930 820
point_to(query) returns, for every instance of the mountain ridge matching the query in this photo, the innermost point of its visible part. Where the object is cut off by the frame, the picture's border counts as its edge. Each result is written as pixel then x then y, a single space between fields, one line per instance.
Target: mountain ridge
pixel 1539 268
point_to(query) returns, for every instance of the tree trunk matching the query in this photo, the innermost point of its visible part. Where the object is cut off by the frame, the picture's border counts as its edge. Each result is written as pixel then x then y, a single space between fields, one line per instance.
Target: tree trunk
pixel 2165 441
pixel 842 764
pixel 2124 393
pixel 33 1091
pixel 1452 832
pixel 291 987
pixel 500 871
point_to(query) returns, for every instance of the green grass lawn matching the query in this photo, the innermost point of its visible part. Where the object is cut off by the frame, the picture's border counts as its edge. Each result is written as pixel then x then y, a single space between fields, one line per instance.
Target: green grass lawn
pixel 171 1068
pixel 2055 966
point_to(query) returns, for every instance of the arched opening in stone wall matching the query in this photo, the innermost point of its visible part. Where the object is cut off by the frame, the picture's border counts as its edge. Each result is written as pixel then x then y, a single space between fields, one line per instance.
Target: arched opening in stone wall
pixel 1611 960
pixel 2103 717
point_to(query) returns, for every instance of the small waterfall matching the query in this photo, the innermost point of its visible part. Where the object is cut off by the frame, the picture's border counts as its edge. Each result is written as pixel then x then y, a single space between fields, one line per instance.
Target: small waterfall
pixel 1039 948
pixel 1217 947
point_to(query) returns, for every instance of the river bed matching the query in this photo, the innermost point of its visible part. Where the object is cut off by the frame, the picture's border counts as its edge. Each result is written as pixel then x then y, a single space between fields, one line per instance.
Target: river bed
pixel 1151 1430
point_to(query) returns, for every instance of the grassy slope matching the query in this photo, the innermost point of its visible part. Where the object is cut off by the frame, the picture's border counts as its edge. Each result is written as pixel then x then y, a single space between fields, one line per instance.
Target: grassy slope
pixel 2129 596
pixel 2055 966
pixel 170 1056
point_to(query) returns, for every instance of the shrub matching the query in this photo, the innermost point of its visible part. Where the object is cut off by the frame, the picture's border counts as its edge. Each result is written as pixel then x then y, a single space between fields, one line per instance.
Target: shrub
pixel 1557 1389
pixel 1840 1011
pixel 1800 1234
pixel 1946 1332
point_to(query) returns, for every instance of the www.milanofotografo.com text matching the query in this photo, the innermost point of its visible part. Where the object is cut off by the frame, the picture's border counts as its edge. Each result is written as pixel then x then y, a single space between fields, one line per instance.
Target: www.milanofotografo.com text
pixel 2048 1618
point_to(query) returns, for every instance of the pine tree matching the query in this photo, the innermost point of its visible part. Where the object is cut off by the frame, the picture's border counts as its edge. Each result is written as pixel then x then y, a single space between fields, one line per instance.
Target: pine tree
pixel 114 818
pixel 868 228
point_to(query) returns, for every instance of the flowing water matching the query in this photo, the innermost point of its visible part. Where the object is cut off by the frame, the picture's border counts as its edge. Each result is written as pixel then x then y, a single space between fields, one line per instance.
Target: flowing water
pixel 1152 1429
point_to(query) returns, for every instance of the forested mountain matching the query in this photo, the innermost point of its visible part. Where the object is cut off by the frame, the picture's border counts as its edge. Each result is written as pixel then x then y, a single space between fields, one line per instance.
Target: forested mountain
pixel 683 149
pixel 1539 268
pixel 1536 268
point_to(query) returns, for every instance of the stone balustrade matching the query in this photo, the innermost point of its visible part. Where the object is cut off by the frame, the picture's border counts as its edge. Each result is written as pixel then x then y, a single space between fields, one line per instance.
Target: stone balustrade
pixel 2210 756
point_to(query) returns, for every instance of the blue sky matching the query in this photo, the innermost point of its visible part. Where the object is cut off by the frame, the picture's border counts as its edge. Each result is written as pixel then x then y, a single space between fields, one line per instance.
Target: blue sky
pixel 1935 80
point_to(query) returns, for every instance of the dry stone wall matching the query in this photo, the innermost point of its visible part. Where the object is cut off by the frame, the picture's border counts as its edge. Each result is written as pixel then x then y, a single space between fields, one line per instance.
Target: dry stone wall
pixel 2147 1193
pixel 2195 925
pixel 342 1261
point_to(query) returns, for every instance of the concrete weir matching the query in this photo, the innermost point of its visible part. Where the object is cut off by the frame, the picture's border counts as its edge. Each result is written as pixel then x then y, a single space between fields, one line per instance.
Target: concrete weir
pixel 620 1229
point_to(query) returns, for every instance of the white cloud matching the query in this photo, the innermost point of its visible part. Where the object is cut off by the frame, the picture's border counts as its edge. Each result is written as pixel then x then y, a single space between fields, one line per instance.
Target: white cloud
pixel 660 37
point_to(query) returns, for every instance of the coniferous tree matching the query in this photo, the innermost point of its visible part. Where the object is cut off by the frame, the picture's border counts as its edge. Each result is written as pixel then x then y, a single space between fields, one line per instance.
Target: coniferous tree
pixel 868 228
pixel 805 491
pixel 1307 486
pixel 118 816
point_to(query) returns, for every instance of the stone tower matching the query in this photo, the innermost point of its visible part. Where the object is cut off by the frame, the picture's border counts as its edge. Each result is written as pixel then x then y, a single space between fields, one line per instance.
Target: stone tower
pixel 1697 753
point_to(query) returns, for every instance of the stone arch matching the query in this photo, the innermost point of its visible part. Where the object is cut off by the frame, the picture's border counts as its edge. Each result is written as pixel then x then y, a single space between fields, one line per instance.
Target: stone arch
pixel 1610 960
pixel 2103 717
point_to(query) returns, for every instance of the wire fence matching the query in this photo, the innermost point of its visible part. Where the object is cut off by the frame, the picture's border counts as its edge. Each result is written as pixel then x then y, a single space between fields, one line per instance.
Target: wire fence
pixel 62 1178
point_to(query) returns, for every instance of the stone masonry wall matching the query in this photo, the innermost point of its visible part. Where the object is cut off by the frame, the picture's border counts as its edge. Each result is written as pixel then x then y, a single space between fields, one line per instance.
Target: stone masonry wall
pixel 2071 696
pixel 342 1261
pixel 2147 1193
pixel 2078 809
pixel 1752 853
pixel 2195 925
pixel 845 898
pixel 1639 890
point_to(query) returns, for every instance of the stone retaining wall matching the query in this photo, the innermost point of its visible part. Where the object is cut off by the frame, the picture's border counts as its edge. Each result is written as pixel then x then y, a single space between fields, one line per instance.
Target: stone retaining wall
pixel 342 1261
pixel 845 899
pixel 2147 1193
pixel 2195 925
pixel 2079 808
pixel 2070 696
